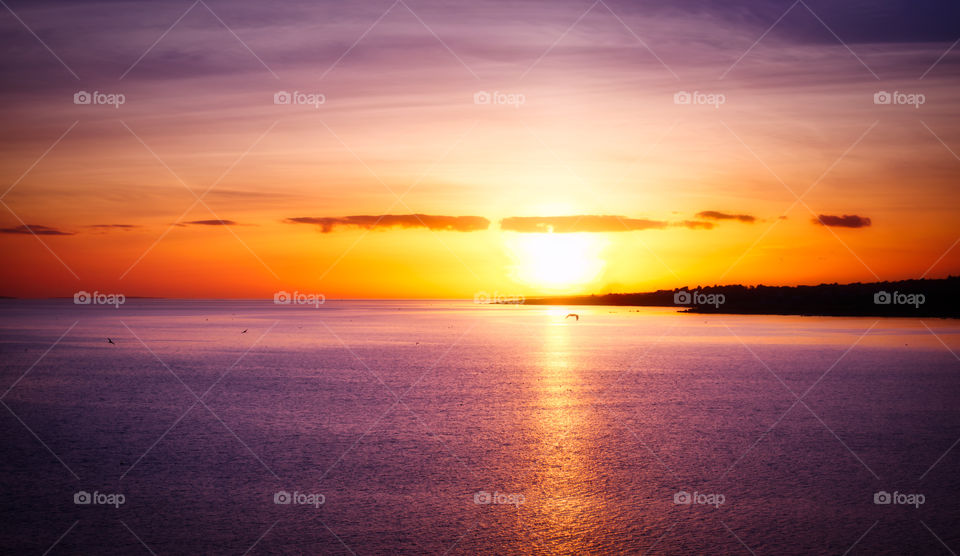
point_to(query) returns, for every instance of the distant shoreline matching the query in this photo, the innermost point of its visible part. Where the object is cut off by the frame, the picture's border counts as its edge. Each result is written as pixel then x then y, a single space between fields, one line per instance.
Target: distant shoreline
pixel 938 298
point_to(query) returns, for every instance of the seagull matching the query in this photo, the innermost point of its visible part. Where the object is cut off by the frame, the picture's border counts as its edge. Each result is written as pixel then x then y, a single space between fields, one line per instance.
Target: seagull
pixel 244 331
pixel 574 315
pixel 109 341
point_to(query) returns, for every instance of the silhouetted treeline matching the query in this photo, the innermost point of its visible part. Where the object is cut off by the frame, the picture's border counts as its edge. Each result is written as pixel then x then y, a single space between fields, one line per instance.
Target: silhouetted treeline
pixel 906 298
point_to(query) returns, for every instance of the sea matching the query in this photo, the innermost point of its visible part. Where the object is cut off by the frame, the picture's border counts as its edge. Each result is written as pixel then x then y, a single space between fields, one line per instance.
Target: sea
pixel 447 427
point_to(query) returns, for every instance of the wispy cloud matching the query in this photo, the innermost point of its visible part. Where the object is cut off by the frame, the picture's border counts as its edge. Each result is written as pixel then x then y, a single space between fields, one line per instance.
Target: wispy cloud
pixel 208 223
pixel 35 229
pixel 370 222
pixel 716 215
pixel 845 221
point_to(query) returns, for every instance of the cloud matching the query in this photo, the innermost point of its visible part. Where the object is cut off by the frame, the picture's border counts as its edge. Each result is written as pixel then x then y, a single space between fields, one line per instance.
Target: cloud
pixel 107 227
pixel 369 222
pixel 208 223
pixel 845 221
pixel 579 223
pixel 715 215
pixel 35 229
pixel 695 225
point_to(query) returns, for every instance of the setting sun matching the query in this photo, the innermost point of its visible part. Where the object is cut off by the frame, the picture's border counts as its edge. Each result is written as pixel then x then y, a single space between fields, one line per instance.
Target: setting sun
pixel 556 261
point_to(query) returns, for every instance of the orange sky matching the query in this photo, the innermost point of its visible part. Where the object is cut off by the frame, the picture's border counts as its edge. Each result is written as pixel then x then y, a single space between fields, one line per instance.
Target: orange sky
pixel 585 122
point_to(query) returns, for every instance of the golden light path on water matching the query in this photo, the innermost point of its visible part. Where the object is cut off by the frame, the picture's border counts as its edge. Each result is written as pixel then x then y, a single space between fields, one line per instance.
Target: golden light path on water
pixel 563 512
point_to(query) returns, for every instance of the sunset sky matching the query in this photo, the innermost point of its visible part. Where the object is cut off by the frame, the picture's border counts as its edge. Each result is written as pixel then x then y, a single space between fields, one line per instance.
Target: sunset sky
pixel 522 148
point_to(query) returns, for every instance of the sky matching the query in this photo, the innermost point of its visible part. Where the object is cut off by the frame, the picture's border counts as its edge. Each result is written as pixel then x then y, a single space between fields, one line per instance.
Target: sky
pixel 424 149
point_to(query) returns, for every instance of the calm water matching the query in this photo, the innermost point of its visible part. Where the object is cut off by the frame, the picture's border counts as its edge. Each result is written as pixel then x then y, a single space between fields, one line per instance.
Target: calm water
pixel 405 415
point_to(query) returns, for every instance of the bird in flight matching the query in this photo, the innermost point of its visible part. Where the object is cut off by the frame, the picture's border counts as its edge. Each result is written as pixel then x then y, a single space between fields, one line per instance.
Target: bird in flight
pixel 574 315
pixel 109 341
pixel 244 331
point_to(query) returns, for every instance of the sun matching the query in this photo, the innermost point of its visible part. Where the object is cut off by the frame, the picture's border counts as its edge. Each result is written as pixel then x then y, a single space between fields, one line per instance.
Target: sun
pixel 556 261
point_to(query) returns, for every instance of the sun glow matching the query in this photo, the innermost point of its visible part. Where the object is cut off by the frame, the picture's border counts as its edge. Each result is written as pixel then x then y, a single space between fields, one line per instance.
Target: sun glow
pixel 556 261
